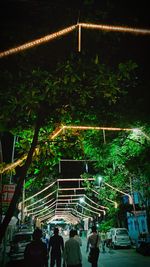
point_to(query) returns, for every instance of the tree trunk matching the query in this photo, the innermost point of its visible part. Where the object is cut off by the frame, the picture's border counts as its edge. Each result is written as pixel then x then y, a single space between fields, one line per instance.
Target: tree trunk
pixel 23 172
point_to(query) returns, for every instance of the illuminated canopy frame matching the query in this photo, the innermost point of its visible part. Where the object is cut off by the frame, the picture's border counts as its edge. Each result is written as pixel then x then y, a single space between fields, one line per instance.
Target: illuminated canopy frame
pixel 67 30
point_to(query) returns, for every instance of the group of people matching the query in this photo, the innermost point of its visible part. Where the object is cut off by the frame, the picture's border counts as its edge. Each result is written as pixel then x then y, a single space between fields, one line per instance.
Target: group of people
pixel 61 253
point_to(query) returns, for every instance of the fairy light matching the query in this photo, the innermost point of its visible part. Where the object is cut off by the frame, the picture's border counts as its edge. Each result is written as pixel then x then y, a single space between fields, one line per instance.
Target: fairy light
pixel 75 179
pixel 61 203
pixel 57 132
pixel 104 207
pixel 46 217
pixel 73 188
pixel 88 209
pixel 39 192
pixel 67 199
pixel 93 207
pixel 70 195
pixel 39 217
pixel 114 202
pixel 120 191
pixel 115 28
pixel 74 127
pixel 57 34
pixel 13 165
pixel 37 42
pixel 42 210
pixel 41 199
pixel 54 204
pixel 45 203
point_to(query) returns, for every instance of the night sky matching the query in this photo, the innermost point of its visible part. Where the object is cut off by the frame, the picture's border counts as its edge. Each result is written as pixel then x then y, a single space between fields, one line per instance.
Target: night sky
pixel 22 21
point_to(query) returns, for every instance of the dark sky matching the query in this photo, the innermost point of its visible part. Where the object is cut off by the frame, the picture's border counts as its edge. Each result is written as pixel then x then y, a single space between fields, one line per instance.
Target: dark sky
pixel 25 20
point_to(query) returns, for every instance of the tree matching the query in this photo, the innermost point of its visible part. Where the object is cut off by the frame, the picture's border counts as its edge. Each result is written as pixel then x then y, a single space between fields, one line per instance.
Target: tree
pixel 64 95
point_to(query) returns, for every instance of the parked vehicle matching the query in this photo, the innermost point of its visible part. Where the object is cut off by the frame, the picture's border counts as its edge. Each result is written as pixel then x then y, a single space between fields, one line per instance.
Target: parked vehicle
pixel 119 237
pixel 18 244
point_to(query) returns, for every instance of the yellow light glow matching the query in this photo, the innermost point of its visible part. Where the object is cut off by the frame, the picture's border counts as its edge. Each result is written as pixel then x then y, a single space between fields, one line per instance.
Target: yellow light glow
pixel 104 207
pixel 88 209
pixel 37 42
pixel 43 209
pixel 40 217
pixel 75 179
pixel 75 188
pixel 34 203
pixel 120 191
pixel 115 28
pixel 39 192
pixel 57 34
pixel 28 210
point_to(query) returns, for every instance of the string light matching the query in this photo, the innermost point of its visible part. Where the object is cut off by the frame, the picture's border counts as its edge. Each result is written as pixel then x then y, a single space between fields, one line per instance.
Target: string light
pixel 120 191
pixel 46 217
pixel 37 42
pixel 55 35
pixel 41 199
pixel 42 210
pixel 39 192
pixel 75 188
pixel 56 133
pixel 114 202
pixel 94 207
pixel 28 210
pixel 115 28
pixel 88 209
pixel 74 127
pixel 75 179
pixel 104 207
pixel 39 218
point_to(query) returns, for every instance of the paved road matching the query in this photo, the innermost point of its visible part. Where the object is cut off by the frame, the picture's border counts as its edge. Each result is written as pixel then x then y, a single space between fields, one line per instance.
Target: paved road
pixel 113 258
pixel 117 258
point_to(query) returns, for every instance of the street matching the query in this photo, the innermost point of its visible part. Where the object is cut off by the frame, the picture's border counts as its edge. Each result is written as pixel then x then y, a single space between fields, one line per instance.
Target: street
pixel 111 258
pixel 119 257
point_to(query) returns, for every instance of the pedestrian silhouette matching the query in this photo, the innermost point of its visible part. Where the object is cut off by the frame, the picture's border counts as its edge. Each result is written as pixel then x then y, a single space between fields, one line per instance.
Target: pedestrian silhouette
pixel 77 237
pixel 35 254
pixel 56 248
pixel 93 242
pixel 72 252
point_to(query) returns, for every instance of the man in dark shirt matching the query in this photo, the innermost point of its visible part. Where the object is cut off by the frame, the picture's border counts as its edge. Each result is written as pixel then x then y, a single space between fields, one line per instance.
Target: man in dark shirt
pixel 56 248
pixel 35 254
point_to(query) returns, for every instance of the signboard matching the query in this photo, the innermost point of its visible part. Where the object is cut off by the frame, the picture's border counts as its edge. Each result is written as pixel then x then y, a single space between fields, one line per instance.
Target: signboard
pixel 8 192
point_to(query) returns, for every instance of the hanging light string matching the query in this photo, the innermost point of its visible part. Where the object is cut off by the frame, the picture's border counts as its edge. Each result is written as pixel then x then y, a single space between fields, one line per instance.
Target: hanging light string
pixel 88 209
pixel 27 199
pixel 47 216
pixel 41 199
pixel 42 210
pixel 41 216
pixel 93 207
pixel 67 30
pixel 114 202
pixel 115 28
pixel 54 134
pixel 45 203
pixel 104 207
pixel 37 42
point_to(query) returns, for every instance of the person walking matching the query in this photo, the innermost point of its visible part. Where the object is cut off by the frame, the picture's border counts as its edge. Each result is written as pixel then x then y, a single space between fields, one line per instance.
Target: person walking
pixel 56 248
pixel 36 254
pixel 103 241
pixel 93 243
pixel 77 237
pixel 72 252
